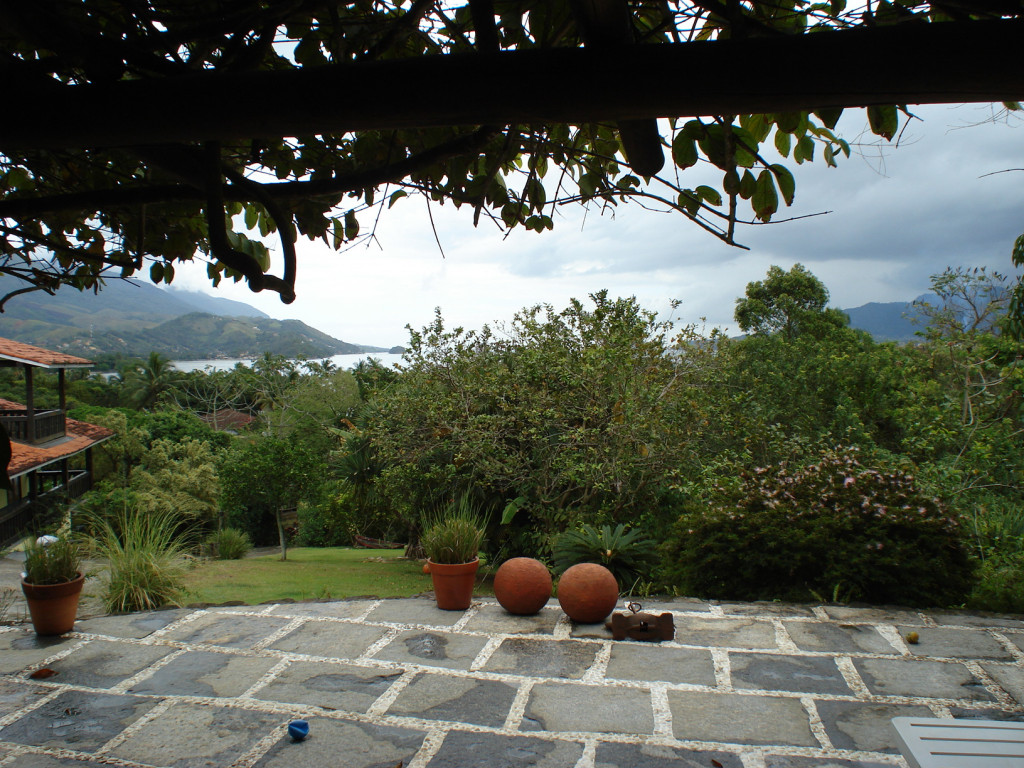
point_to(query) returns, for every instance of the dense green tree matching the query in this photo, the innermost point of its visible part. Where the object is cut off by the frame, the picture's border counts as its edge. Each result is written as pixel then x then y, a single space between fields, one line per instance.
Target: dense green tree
pixel 574 414
pixel 790 303
pixel 179 479
pixel 265 477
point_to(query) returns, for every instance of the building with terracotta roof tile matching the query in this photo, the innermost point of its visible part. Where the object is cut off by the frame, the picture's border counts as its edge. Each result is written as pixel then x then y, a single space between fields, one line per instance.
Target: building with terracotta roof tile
pixel 51 455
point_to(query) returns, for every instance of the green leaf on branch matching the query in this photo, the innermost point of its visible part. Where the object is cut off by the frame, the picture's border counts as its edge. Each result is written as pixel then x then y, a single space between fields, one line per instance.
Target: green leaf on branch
pixel 765 200
pixel 748 185
pixel 684 151
pixel 782 143
pixel 689 202
pixel 709 194
pixel 804 150
pixel 351 226
pixel 396 196
pixel 884 121
pixel 786 182
pixel 829 117
pixel 792 122
pixel 731 182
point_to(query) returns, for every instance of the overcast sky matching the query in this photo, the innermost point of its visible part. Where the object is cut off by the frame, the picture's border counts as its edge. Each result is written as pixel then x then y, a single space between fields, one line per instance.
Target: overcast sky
pixel 892 221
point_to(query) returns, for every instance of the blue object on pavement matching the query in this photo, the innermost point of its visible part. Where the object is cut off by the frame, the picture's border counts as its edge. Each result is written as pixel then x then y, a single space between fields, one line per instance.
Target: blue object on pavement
pixel 298 729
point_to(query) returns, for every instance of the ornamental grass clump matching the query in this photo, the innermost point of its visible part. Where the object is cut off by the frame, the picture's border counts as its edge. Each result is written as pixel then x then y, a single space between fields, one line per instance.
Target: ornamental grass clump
pixel 833 530
pixel 229 544
pixel 148 555
pixel 453 534
pixel 53 559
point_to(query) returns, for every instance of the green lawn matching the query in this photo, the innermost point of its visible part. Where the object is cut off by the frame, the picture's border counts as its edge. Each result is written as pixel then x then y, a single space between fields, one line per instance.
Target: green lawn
pixel 309 574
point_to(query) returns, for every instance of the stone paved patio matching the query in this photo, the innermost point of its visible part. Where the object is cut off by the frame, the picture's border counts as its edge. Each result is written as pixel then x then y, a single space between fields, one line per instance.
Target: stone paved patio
pixel 384 682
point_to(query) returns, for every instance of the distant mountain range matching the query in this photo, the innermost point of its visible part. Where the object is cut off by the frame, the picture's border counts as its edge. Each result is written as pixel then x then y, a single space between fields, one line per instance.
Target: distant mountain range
pixel 134 318
pixel 891 321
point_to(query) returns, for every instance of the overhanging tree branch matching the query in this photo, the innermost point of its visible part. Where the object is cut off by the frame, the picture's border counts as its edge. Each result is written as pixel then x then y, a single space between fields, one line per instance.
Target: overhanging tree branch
pixel 947 62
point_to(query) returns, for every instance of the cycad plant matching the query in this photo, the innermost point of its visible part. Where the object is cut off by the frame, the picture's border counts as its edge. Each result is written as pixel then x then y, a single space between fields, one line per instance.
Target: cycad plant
pixel 626 553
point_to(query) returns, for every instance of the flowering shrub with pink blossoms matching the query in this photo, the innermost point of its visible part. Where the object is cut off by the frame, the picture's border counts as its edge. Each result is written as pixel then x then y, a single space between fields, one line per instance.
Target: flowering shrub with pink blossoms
pixel 835 530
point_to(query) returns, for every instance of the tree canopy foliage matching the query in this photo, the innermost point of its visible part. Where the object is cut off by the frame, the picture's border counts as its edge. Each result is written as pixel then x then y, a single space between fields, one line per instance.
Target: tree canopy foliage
pixel 156 132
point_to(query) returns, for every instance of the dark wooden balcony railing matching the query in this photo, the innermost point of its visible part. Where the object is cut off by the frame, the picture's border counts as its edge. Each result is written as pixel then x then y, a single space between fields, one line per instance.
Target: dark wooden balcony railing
pixel 16 519
pixel 48 425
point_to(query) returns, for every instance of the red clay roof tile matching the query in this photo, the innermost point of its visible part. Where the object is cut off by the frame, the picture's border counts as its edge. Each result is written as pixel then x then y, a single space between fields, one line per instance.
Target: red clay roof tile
pixel 45 358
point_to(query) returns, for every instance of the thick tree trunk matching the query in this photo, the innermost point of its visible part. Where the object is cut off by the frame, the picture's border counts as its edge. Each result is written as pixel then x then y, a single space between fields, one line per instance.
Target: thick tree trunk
pixel 281 535
pixel 913 63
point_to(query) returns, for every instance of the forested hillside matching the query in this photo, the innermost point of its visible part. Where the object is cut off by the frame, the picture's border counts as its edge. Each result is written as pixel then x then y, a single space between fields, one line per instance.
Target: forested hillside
pixel 133 318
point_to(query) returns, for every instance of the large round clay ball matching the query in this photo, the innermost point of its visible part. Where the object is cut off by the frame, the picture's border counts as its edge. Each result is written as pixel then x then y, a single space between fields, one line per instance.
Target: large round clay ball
pixel 522 585
pixel 587 593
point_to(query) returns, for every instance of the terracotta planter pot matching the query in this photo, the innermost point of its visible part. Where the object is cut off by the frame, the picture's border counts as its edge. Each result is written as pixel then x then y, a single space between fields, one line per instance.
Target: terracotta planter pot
pixel 53 607
pixel 522 585
pixel 453 584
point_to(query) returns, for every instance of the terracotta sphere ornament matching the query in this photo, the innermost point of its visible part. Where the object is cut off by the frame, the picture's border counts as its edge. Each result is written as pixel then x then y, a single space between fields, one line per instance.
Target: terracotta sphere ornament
pixel 522 585
pixel 587 593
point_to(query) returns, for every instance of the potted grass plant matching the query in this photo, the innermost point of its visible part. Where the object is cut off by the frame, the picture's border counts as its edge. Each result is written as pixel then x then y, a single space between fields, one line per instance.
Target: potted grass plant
pixel 451 540
pixel 52 582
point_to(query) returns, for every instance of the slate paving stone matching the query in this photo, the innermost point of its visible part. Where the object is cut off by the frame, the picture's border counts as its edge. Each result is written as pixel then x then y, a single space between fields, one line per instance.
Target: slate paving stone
pixel 449 650
pixel 985 713
pixel 955 643
pixel 1009 678
pixel 46 761
pixel 205 673
pixel 870 615
pixel 132 625
pixel 783 761
pixel 652 756
pixel 956 618
pixel 1016 639
pixel 837 638
pixel 591 631
pixel 463 748
pixel 105 663
pixel 918 677
pixel 414 611
pixel 801 674
pixel 24 648
pixel 542 658
pixel 456 699
pixel 329 685
pixel 345 744
pixel 494 619
pixel 864 726
pixel 680 604
pixel 77 720
pixel 334 609
pixel 15 696
pixel 739 719
pixel 725 633
pixel 639 661
pixel 330 639
pixel 762 608
pixel 193 735
pixel 574 708
pixel 226 630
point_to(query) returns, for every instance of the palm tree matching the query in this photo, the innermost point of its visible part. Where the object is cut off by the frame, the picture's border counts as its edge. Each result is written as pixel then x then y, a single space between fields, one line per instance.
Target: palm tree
pixel 147 381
